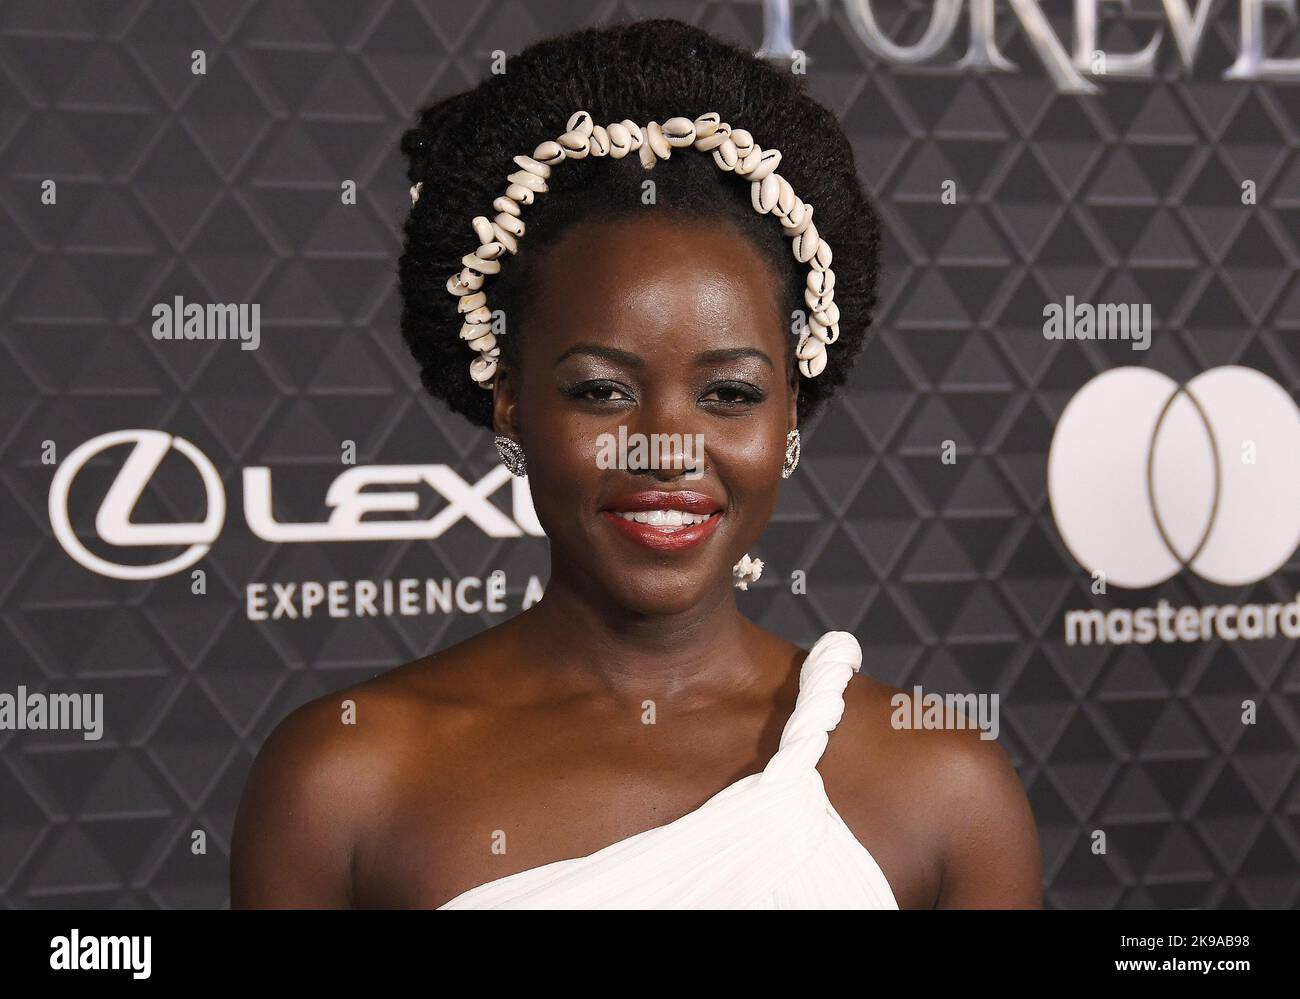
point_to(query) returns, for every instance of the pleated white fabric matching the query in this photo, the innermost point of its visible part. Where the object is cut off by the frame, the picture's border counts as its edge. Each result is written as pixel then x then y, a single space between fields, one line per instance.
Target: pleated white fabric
pixel 771 840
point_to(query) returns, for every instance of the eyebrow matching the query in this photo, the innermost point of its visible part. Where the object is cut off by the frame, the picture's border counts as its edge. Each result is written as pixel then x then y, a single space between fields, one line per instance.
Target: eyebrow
pixel 636 361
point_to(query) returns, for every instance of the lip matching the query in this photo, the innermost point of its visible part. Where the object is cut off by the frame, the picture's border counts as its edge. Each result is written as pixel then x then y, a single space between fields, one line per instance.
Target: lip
pixel 656 538
pixel 664 499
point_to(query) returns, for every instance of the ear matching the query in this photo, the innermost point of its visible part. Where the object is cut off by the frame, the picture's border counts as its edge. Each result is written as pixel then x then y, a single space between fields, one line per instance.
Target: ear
pixel 505 403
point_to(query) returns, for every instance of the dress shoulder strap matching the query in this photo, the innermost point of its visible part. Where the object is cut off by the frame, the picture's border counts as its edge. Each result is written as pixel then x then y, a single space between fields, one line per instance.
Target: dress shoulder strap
pixel 825 673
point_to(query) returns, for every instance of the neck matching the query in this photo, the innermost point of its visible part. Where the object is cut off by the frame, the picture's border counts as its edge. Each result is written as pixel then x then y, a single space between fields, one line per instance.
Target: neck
pixel 580 632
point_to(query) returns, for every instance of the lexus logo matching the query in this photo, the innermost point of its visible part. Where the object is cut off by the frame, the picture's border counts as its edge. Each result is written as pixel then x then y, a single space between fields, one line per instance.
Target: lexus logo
pixel 1147 477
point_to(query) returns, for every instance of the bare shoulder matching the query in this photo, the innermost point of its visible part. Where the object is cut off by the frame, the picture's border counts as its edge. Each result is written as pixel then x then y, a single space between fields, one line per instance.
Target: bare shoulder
pixel 949 807
pixel 325 773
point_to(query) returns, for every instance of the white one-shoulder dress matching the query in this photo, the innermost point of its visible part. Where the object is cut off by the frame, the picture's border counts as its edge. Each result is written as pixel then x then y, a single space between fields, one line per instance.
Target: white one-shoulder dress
pixel 771 840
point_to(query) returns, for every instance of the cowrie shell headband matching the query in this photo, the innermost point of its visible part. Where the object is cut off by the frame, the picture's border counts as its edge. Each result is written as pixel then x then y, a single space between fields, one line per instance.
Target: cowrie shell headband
pixel 733 150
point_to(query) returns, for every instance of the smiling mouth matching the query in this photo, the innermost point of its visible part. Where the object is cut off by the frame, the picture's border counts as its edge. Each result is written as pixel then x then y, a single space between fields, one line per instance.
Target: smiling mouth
pixel 663 530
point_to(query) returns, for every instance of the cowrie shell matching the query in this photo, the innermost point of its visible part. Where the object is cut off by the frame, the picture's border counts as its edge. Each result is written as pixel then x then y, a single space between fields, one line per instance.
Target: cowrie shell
pixel 533 166
pixel 469 279
pixel 820 282
pixel 506 239
pixel 785 200
pixel 471 302
pixel 485 342
pixel 828 314
pixel 743 141
pixel 725 155
pixel 805 244
pixel 634 130
pixel 599 142
pixel 767 161
pixel 804 211
pixel 455 287
pixel 823 332
pixel 808 347
pixel 548 152
pixel 763 194
pixel 482 226
pixel 510 224
pixel 415 191
pixel 822 258
pixel 620 140
pixel 490 250
pixel 679 131
pixel 655 140
pixel 647 156
pixel 813 366
pixel 479 316
pixel 482 368
pixel 706 124
pixel 817 302
pixel 710 142
pixel 748 163
pixel 521 194
pixel 476 263
pixel 528 180
pixel 579 121
pixel 576 145
pixel 507 205
pixel 472 331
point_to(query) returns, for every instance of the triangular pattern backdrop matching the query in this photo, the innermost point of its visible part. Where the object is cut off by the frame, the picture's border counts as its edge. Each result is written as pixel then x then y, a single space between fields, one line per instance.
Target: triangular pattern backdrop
pixel 225 188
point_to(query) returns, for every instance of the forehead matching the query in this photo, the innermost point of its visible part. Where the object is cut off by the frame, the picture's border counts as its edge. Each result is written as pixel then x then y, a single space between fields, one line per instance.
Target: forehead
pixel 656 275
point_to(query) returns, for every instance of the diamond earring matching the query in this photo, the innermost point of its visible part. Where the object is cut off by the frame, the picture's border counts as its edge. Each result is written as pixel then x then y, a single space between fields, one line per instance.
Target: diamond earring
pixel 511 455
pixel 791 453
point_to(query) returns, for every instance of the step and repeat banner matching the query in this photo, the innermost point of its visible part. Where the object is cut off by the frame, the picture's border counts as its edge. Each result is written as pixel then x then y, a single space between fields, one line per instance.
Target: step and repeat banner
pixel 1066 471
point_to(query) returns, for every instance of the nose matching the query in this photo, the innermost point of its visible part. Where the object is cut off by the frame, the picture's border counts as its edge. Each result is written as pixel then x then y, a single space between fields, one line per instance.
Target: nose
pixel 674 448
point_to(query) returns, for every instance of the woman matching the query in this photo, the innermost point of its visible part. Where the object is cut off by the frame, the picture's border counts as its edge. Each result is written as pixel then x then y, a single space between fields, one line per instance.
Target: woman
pixel 632 739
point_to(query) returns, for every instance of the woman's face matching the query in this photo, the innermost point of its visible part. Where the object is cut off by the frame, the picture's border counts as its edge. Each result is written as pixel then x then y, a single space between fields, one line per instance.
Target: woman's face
pixel 640 329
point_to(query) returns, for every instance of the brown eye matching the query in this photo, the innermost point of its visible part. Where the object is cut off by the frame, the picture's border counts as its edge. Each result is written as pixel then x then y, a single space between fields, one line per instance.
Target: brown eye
pixel 733 394
pixel 596 392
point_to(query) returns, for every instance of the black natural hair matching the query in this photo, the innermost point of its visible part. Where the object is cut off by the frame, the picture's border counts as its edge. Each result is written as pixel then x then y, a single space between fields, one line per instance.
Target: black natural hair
pixel 647 70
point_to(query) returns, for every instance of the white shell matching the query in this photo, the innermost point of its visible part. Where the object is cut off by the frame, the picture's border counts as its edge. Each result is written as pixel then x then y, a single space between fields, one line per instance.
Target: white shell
pixel 634 130
pixel 620 140
pixel 656 140
pixel 820 282
pixel 476 263
pixel 744 142
pixel 533 166
pixel 766 164
pixel 576 145
pixel 647 156
pixel 580 121
pixel 706 124
pixel 828 314
pixel 467 278
pixel 749 163
pixel 482 368
pixel 725 155
pixel 679 131
pixel 521 194
pixel 823 332
pixel 808 346
pixel 822 258
pixel 482 226
pixel 455 287
pixel 805 244
pixel 491 249
pixel 479 316
pixel 415 191
pixel 804 213
pixel 510 224
pixel 507 205
pixel 599 141
pixel 548 152
pixel 786 199
pixel 506 239
pixel 471 302
pixel 474 330
pixel 710 142
pixel 485 342
pixel 817 302
pixel 814 366
pixel 763 194
pixel 528 180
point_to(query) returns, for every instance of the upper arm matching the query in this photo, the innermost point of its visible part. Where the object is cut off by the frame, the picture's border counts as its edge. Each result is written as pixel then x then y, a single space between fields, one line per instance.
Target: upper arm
pixel 990 855
pixel 292 841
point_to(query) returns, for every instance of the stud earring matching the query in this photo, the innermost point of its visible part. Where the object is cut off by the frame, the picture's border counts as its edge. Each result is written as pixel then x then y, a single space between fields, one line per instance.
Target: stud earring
pixel 791 453
pixel 747 571
pixel 511 455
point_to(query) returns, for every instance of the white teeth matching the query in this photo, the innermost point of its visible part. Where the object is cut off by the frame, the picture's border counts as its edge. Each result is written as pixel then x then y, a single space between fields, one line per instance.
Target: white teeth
pixel 664 518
